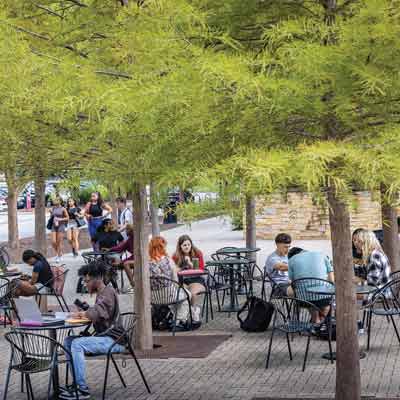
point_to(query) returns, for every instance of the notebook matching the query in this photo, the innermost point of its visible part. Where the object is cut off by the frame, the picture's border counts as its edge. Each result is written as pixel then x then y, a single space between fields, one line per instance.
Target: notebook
pixel 30 315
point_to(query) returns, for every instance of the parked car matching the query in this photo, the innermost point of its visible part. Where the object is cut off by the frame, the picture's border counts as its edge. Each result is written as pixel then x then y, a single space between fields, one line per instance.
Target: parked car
pixel 21 201
pixel 3 204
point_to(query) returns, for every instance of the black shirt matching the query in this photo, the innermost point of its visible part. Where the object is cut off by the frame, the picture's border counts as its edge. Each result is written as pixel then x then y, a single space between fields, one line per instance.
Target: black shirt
pixel 73 211
pixel 44 271
pixel 106 240
pixel 95 210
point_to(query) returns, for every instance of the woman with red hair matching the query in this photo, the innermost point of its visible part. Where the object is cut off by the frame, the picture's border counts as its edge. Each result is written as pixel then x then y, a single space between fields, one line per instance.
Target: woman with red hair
pixel 160 266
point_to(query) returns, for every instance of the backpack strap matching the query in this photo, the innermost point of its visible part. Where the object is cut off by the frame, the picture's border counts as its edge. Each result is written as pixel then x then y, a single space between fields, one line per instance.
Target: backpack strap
pixel 243 308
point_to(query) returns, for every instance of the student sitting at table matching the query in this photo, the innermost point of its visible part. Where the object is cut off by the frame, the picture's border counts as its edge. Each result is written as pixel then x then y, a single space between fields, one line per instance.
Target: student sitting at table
pixel 277 264
pixel 107 236
pixel 41 275
pixel 311 264
pixel 127 263
pixel 184 257
pixel 103 316
pixel 160 266
pixel 374 259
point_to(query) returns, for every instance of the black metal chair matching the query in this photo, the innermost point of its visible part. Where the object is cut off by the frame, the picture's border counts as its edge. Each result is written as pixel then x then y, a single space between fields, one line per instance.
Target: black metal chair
pixel 6 301
pixel 292 316
pixel 126 324
pixel 49 289
pixel 167 292
pixel 385 302
pixel 32 353
pixel 218 281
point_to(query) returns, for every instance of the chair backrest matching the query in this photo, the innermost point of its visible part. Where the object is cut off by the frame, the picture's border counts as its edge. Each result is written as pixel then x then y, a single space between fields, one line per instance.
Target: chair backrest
pixel 301 289
pixel 389 294
pixel 294 312
pixel 127 322
pixel 395 275
pixel 59 278
pixel 32 347
pixel 164 291
pixel 5 291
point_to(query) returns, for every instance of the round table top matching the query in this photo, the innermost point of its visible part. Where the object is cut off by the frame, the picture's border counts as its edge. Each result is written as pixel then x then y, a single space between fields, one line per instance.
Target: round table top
pixel 193 272
pixel 237 250
pixel 10 274
pixel 327 290
pixel 229 261
pixel 61 325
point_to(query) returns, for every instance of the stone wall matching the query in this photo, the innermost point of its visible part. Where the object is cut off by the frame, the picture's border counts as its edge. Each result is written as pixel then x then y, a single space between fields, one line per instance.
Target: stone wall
pixel 297 214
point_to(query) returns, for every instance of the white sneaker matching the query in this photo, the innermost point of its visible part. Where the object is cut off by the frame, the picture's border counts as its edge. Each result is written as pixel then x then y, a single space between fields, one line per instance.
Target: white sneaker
pixel 196 313
pixel 57 260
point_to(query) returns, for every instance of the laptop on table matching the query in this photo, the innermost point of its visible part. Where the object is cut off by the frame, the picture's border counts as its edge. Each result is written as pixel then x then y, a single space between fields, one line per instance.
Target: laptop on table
pixel 30 315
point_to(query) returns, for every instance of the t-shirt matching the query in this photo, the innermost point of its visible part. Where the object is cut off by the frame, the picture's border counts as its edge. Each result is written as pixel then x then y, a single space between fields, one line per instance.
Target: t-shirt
pixel 44 271
pixel 279 277
pixel 107 240
pixel 309 264
pixel 125 217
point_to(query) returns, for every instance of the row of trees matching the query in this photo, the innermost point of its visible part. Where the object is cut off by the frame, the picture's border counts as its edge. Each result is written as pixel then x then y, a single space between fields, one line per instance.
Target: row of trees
pixel 258 95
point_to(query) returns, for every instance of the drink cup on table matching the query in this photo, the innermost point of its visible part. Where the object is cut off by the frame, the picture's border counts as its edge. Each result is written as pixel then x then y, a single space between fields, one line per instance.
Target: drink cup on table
pixel 196 263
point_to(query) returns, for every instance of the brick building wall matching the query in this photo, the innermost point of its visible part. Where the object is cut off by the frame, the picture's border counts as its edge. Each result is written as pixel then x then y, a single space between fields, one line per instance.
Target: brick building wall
pixel 297 214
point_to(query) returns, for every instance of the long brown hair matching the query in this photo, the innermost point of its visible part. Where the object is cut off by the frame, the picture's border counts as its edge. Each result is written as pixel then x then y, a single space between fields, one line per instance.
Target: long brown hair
pixel 179 255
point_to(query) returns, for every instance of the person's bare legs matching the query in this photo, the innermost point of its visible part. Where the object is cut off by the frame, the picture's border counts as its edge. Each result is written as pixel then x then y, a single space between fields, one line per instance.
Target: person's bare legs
pixel 70 238
pixel 128 267
pixel 54 241
pixel 59 243
pixel 75 236
pixel 195 289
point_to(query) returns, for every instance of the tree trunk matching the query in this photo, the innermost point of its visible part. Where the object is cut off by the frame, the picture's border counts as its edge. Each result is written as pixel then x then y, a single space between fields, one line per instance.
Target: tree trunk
pixel 12 197
pixel 251 240
pixel 348 382
pixel 155 222
pixel 143 331
pixel 40 215
pixel 390 229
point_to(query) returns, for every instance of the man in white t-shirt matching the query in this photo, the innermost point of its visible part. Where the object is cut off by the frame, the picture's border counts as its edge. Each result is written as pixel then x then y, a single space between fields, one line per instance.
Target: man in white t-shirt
pixel 277 264
pixel 125 216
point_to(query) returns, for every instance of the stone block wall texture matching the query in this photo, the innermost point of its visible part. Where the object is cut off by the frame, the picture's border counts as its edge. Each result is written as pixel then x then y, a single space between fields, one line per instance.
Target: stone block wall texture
pixel 297 214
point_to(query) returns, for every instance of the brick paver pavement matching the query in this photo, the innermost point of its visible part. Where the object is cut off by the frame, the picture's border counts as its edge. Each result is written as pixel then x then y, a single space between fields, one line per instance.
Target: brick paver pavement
pixel 236 369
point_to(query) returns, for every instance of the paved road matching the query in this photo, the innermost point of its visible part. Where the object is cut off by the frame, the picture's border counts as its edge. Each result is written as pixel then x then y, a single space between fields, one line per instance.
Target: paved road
pixel 26 225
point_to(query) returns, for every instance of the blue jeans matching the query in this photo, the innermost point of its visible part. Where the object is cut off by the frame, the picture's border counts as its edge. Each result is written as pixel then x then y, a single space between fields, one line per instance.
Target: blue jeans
pixel 81 345
pixel 93 224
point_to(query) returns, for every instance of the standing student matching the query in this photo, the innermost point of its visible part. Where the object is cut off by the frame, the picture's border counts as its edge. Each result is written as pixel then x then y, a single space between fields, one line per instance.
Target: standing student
pixel 95 211
pixel 75 214
pixel 125 216
pixel 60 220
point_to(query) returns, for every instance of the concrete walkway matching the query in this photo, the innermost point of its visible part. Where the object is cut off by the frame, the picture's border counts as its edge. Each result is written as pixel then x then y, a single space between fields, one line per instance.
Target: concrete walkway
pixel 236 369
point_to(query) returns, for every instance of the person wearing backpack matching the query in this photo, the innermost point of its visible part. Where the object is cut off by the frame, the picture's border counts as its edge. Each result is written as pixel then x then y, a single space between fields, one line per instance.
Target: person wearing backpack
pixel 125 216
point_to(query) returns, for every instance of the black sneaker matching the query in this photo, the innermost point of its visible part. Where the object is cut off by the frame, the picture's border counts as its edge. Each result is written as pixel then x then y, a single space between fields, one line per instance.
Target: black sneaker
pixel 83 394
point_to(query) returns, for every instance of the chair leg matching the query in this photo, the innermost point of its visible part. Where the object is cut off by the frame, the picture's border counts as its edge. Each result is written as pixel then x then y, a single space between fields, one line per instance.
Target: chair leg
pixel 395 328
pixel 22 383
pixel 211 306
pixel 218 302
pixel 6 383
pixel 306 355
pixel 59 302
pixel 29 387
pixel 118 371
pixel 369 321
pixel 138 367
pixel 269 348
pixel 106 377
pixel 65 303
pixel 289 348
pixel 330 338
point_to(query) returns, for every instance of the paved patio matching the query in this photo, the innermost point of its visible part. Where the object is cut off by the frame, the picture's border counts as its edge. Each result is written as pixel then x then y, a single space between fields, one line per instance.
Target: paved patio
pixel 236 369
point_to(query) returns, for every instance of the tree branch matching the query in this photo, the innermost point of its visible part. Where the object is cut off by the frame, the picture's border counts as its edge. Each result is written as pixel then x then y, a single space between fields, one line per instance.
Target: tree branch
pixel 50 11
pixel 115 74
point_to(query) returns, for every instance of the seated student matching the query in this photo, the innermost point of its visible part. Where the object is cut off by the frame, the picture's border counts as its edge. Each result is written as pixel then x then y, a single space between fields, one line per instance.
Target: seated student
pixel 107 236
pixel 127 263
pixel 374 259
pixel 41 275
pixel 160 266
pixel 311 264
pixel 277 264
pixel 183 259
pixel 103 315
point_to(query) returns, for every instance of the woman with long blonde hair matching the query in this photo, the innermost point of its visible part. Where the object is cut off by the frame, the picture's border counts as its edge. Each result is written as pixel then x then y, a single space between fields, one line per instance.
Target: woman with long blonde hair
pixel 373 258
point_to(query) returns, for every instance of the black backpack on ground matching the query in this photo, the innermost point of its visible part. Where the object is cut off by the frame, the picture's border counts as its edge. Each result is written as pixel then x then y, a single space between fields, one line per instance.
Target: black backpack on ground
pixel 258 317
pixel 161 317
